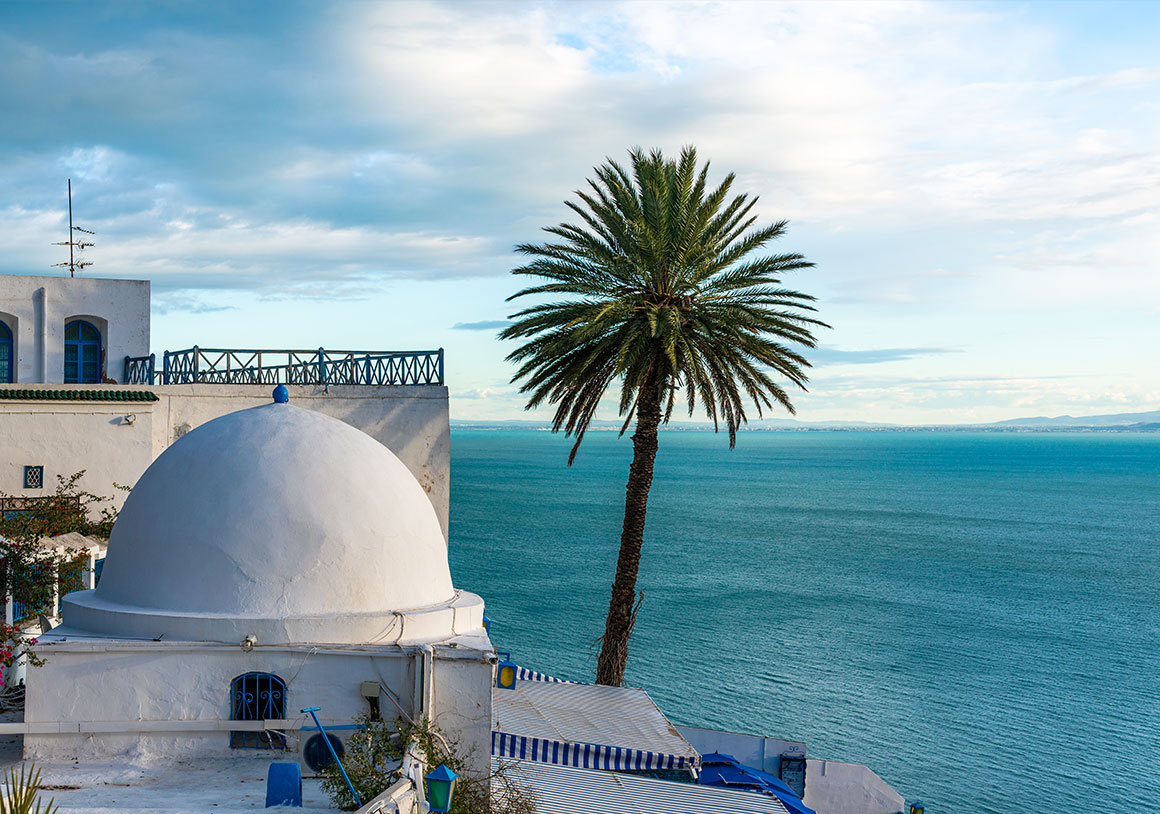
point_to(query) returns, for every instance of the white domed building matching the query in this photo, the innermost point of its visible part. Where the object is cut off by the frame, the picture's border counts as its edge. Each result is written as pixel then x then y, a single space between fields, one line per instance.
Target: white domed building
pixel 270 560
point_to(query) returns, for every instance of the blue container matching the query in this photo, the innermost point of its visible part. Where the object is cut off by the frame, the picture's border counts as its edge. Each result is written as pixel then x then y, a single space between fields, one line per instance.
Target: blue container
pixel 284 785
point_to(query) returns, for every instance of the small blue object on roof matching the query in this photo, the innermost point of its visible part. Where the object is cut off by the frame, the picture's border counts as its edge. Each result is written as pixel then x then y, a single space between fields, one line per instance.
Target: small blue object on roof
pixel 505 671
pixel 725 771
pixel 284 785
pixel 917 808
pixel 281 394
pixel 487 624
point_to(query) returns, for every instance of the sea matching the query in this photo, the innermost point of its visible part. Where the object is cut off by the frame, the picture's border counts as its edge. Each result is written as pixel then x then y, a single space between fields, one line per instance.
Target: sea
pixel 975 616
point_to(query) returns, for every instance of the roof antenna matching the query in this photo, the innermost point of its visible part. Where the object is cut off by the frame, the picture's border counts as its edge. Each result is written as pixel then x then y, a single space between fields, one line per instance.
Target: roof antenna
pixel 76 245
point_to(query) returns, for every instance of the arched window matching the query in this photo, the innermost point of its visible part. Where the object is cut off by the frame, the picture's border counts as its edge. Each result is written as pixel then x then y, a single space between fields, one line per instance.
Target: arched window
pixel 7 357
pixel 257 697
pixel 82 353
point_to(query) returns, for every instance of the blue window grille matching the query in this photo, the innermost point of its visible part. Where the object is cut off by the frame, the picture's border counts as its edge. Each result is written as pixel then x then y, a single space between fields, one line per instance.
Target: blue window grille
pixel 34 477
pixel 257 697
pixel 82 353
pixel 7 358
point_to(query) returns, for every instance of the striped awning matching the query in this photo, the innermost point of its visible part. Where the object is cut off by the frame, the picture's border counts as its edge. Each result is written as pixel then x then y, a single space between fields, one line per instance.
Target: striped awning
pixel 585 726
pixel 565 790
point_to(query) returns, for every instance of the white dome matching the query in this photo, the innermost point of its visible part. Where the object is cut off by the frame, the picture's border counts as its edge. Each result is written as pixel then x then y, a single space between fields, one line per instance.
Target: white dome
pixel 276 522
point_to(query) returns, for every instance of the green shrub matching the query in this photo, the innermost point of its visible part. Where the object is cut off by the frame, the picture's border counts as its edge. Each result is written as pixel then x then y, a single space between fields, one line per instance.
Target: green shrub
pixel 373 755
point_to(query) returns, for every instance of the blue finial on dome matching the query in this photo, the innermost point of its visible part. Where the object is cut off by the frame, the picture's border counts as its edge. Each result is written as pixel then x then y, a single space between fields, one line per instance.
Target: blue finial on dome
pixel 281 394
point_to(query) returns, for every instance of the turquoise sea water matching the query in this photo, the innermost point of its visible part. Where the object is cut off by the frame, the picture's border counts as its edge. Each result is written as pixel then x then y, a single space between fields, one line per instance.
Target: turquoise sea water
pixel 974 616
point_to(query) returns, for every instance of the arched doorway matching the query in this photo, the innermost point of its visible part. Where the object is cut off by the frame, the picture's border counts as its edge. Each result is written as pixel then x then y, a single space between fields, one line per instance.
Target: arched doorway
pixel 7 356
pixel 82 353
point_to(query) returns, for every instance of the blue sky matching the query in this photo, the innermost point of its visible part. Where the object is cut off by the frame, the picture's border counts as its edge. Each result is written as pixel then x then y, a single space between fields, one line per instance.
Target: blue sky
pixel 979 184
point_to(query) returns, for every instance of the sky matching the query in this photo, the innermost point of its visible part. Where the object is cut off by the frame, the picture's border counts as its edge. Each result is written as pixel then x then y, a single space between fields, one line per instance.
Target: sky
pixel 978 184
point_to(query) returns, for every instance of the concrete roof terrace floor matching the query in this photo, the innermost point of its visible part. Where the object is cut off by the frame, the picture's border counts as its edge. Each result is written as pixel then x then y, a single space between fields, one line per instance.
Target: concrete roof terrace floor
pixel 164 786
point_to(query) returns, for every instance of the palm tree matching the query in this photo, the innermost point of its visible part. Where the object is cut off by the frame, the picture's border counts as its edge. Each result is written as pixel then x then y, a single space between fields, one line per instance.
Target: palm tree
pixel 657 289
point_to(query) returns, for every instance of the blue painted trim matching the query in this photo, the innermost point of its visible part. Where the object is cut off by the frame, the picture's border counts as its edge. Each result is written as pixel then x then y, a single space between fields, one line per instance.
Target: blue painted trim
pixel 6 344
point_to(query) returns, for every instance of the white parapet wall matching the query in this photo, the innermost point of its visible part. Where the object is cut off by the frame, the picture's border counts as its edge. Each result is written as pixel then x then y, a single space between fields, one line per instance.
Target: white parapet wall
pixel 36 309
pixel 750 750
pixel 115 440
pixel 848 788
pixel 144 700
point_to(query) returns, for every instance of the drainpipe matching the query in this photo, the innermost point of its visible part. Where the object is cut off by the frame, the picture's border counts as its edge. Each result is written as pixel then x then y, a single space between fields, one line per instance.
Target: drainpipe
pixel 424 689
pixel 41 300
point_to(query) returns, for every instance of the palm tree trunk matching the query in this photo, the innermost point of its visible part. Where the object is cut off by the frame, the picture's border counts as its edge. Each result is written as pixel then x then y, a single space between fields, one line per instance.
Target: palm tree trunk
pixel 622 607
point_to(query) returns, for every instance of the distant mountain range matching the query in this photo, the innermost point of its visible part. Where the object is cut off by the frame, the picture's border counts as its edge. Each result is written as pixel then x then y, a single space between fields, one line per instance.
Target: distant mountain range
pixel 1134 422
pixel 1110 420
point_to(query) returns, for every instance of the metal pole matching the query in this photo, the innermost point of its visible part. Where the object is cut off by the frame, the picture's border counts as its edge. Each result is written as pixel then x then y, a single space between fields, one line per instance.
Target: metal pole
pixel 71 264
pixel 330 746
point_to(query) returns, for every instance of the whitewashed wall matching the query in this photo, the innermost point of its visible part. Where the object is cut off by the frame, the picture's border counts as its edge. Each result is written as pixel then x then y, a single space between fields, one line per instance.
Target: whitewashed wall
pixel 411 421
pixel 848 788
pixel 95 681
pixel 68 436
pixel 751 750
pixel 36 309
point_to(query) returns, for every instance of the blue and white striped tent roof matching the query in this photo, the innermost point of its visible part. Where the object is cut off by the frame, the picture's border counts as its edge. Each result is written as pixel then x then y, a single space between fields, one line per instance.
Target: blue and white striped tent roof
pixel 585 725
pixel 564 790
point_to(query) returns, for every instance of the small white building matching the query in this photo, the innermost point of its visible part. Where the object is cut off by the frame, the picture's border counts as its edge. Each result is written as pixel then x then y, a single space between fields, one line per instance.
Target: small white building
pixel 270 560
pixel 70 330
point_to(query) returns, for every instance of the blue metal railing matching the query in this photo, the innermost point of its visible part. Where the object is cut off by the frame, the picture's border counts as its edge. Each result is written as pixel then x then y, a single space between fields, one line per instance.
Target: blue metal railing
pixel 319 367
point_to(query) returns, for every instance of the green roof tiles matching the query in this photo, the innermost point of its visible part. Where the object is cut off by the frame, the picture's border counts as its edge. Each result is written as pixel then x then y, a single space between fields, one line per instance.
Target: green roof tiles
pixel 49 394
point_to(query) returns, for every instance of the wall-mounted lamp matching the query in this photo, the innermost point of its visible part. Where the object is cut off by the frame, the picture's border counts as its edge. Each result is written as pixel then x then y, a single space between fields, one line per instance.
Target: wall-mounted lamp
pixel 505 671
pixel 129 419
pixel 440 788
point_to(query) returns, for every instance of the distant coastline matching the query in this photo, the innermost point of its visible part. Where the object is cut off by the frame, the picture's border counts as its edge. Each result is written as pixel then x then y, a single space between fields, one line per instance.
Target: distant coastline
pixel 1117 422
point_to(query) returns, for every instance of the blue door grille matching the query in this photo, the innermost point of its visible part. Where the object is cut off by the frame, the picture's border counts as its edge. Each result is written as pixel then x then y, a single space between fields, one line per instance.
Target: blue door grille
pixel 257 697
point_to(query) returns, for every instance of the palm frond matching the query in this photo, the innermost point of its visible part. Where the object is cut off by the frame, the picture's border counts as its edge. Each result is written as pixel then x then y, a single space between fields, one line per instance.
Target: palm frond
pixel 660 280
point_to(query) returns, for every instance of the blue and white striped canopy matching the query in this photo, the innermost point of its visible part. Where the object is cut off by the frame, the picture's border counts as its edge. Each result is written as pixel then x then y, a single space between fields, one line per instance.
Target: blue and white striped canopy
pixel 585 726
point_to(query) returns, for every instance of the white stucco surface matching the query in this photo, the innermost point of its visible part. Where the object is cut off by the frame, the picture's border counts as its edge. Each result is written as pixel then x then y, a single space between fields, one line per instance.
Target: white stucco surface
pixel 412 421
pixel 750 750
pixel 181 787
pixel 276 522
pixel 150 702
pixel 833 787
pixel 67 436
pixel 36 309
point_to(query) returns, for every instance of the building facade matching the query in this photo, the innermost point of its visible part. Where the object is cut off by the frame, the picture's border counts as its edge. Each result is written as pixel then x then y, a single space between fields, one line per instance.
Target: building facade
pixel 80 390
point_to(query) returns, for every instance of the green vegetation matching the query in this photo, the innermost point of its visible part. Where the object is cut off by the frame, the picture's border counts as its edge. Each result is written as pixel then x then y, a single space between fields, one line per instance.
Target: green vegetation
pixel 29 571
pixel 21 792
pixel 658 290
pixel 372 761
